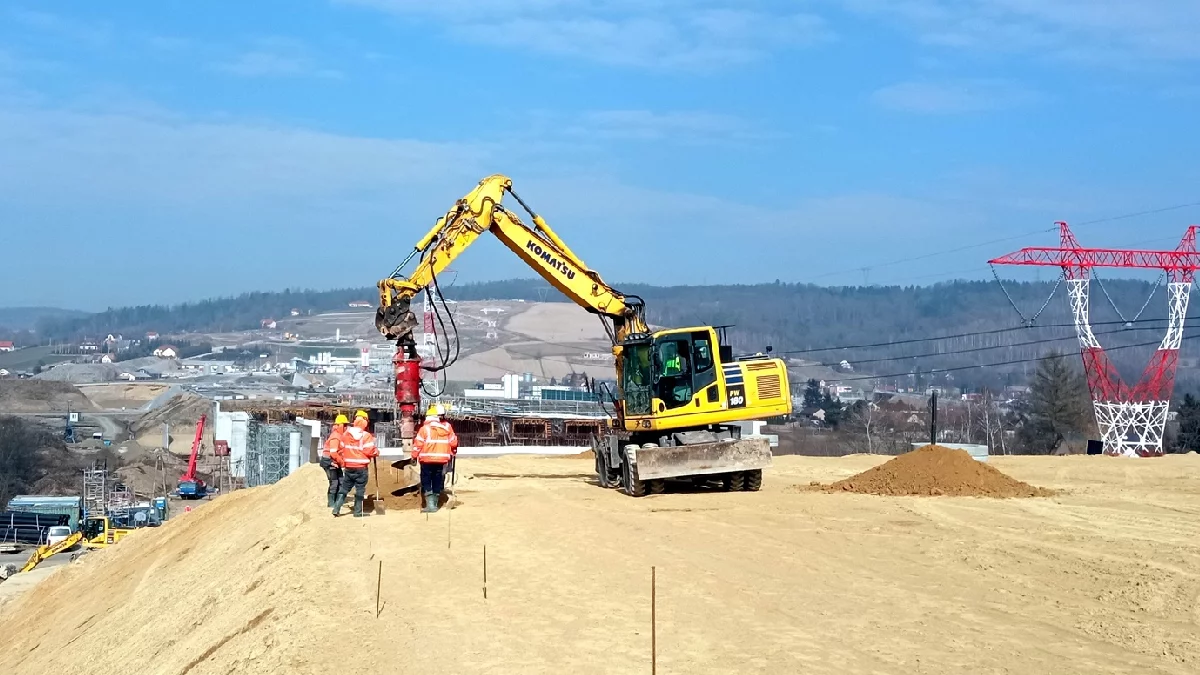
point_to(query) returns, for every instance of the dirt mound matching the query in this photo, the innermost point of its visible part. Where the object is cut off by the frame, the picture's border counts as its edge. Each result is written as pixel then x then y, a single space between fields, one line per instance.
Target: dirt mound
pixel 181 413
pixel 937 471
pixel 33 396
pixel 225 584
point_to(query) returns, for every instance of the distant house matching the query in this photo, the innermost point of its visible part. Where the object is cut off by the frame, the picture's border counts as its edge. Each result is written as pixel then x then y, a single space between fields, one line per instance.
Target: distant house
pixel 295 312
pixel 7 346
pixel 269 323
pixel 89 346
pixel 151 336
pixel 167 352
pixel 361 303
pixel 3 373
pixel 108 358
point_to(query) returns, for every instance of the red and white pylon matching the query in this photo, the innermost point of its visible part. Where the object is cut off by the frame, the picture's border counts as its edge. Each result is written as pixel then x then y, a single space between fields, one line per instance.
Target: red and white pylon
pixel 1131 420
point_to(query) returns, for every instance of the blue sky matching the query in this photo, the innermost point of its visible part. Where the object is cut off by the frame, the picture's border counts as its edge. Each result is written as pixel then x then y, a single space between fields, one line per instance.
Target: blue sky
pixel 170 150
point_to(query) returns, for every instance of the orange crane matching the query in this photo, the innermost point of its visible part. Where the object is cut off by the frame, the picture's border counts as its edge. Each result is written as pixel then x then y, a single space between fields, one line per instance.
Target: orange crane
pixel 190 486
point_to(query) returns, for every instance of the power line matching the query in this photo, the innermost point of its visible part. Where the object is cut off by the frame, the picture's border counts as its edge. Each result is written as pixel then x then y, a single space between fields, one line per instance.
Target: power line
pixel 993 331
pixel 936 371
pixel 1149 212
pixel 972 350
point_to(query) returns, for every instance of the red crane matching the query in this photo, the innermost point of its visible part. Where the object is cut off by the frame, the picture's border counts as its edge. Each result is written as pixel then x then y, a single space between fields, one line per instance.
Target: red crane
pixel 189 486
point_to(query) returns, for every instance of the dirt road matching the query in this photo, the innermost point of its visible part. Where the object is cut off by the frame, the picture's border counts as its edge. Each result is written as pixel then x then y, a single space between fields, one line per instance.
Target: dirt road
pixel 1102 578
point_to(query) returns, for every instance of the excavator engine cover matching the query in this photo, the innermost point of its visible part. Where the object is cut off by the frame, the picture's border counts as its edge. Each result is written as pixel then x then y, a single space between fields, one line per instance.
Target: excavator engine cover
pixel 727 456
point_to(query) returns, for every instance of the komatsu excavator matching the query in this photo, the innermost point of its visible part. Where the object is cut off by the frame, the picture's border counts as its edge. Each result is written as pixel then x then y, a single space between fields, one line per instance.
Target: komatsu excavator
pixel 678 390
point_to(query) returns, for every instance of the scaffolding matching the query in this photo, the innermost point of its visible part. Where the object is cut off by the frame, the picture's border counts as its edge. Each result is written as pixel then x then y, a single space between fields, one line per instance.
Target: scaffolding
pixel 269 452
pixel 95 489
pixel 120 500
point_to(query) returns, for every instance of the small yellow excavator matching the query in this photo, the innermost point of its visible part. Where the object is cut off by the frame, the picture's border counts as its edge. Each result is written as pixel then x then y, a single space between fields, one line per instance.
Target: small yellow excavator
pixel 95 533
pixel 678 390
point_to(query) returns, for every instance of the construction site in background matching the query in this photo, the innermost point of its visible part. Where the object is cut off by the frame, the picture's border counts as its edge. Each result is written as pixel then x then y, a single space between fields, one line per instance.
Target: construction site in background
pixel 637 519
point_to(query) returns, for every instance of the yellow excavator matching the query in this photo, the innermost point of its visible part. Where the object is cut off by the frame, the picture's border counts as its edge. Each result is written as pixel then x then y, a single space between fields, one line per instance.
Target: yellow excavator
pixel 678 390
pixel 95 533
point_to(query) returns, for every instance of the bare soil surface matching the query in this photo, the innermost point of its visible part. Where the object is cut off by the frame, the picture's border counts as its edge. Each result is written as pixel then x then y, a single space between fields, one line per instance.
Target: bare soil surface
pixel 119 395
pixel 41 396
pixel 1101 578
pixel 936 471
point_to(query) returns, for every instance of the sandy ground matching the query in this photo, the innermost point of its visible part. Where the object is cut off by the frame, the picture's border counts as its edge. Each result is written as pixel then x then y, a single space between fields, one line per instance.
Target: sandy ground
pixel 122 395
pixel 557 322
pixel 1102 578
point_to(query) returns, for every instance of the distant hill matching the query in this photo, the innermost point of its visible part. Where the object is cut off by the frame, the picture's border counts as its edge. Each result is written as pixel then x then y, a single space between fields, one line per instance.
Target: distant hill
pixel 793 318
pixel 26 318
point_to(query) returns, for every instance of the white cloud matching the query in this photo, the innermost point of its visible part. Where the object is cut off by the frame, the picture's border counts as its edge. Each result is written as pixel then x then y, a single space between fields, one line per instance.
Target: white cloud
pixel 276 57
pixel 140 156
pixel 1109 31
pixel 690 127
pixel 655 34
pixel 93 34
pixel 952 97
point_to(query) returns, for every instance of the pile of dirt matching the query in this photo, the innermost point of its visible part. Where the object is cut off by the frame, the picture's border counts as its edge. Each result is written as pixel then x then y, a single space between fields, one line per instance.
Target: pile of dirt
pixel 936 471
pixel 36 396
pixel 236 581
pixel 180 413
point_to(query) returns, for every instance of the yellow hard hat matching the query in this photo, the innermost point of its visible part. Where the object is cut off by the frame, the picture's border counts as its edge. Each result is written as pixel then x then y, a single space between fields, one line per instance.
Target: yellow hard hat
pixel 436 409
pixel 363 414
pixel 341 419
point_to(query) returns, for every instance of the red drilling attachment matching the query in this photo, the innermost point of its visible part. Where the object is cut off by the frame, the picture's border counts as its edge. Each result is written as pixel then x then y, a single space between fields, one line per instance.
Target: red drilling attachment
pixel 408 392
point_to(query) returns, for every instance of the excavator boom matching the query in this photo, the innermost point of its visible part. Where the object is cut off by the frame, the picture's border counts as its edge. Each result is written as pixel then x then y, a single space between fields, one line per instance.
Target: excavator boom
pixel 480 211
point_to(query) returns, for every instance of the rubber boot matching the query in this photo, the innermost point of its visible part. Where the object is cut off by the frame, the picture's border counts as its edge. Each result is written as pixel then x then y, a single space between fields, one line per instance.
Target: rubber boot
pixel 430 503
pixel 433 501
pixel 358 512
pixel 337 504
pixel 332 500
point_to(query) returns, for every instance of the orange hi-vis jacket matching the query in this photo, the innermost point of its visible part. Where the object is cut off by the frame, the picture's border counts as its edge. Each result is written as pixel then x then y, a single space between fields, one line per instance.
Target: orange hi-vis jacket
pixel 435 442
pixel 355 449
pixel 332 443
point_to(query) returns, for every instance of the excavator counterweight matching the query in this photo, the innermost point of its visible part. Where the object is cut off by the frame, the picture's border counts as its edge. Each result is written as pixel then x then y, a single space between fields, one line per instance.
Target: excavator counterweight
pixel 680 391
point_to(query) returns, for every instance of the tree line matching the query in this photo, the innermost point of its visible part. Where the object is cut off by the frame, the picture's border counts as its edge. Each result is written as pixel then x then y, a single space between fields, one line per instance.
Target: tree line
pixel 795 319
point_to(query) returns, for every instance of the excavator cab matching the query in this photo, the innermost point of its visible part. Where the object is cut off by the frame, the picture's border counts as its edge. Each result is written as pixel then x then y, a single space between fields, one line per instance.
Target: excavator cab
pixel 672 371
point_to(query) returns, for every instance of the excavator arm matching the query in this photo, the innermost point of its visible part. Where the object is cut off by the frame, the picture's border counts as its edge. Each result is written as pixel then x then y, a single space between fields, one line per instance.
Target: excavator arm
pixel 45 552
pixel 481 210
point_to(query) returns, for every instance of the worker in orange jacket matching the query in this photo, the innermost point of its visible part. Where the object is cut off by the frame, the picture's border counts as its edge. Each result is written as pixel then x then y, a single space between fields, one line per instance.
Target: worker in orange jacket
pixel 354 453
pixel 434 445
pixel 332 471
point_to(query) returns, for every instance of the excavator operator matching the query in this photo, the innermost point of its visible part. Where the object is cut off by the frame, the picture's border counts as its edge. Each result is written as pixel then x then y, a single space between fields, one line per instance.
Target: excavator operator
pixel 354 453
pixel 332 471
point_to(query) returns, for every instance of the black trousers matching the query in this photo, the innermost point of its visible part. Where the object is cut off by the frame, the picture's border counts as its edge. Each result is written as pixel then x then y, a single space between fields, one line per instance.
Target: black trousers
pixel 333 473
pixel 433 478
pixel 354 478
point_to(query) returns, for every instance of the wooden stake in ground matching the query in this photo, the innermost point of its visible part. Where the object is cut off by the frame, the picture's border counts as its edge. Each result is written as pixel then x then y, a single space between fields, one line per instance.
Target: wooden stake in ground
pixel 378 584
pixel 653 621
pixel 449 513
pixel 485 571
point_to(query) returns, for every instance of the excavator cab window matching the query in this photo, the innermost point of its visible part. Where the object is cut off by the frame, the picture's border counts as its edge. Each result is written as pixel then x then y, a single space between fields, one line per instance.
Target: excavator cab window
pixel 674 382
pixel 92 528
pixel 702 358
pixel 638 378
